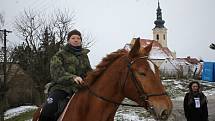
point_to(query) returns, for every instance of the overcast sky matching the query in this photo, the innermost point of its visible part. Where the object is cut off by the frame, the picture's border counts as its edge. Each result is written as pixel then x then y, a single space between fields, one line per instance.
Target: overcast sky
pixel 112 23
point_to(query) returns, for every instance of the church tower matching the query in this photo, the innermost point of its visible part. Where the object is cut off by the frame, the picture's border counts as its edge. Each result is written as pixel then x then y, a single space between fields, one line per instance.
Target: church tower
pixel 160 32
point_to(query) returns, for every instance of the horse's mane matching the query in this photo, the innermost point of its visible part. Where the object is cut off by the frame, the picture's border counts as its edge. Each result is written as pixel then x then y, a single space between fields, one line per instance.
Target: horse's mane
pixel 102 66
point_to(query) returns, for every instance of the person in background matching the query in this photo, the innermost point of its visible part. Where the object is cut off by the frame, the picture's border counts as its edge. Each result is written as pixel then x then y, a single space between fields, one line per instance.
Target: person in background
pixel 68 67
pixel 195 103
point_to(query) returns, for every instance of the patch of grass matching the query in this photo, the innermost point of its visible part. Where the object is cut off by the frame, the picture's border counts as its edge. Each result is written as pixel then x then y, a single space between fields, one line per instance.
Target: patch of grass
pixel 23 116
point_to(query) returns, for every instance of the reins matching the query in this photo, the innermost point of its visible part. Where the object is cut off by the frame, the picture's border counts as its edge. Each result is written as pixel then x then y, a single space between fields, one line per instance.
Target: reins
pixel 111 101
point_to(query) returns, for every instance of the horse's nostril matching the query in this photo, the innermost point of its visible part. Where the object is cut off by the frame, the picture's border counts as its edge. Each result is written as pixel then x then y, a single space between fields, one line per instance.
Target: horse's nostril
pixel 164 115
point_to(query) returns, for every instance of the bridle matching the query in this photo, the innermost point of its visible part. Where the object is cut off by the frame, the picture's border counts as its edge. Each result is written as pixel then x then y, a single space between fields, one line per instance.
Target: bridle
pixel 142 95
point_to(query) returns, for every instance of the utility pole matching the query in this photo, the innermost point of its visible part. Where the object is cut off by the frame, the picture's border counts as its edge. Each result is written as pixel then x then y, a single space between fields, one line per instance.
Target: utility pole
pixel 3 86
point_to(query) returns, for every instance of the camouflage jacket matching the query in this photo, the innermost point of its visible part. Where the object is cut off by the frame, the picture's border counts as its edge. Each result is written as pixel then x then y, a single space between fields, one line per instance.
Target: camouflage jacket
pixel 67 64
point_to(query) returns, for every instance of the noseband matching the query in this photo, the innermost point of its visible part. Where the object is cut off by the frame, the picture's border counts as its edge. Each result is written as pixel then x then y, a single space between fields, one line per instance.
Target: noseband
pixel 142 95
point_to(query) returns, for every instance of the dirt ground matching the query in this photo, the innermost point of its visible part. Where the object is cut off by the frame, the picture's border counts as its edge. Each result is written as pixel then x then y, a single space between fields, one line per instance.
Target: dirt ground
pixel 178 112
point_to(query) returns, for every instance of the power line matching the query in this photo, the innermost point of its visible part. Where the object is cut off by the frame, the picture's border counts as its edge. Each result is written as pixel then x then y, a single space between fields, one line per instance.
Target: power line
pixel 40 5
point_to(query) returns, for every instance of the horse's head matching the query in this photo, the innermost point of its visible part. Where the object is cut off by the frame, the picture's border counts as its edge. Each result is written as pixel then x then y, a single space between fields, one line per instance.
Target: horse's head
pixel 143 79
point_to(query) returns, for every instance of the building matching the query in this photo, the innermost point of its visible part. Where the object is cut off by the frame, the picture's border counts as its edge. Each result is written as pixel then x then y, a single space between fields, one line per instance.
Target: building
pixel 21 88
pixel 160 50
pixel 160 31
pixel 178 67
pixel 181 67
pixel 163 57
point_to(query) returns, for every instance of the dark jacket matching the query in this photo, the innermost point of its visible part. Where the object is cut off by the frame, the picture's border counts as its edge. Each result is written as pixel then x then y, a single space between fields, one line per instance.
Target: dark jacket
pixel 191 112
pixel 67 64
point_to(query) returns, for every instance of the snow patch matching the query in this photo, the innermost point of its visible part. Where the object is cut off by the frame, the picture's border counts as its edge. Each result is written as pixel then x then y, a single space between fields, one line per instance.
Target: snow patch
pixel 17 111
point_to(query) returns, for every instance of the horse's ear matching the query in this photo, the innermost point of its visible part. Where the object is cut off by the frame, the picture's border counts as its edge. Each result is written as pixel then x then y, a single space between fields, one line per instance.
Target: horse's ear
pixel 148 48
pixel 135 49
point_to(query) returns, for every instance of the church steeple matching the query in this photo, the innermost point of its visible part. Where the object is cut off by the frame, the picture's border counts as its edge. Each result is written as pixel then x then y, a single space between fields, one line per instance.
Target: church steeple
pixel 159 22
pixel 160 31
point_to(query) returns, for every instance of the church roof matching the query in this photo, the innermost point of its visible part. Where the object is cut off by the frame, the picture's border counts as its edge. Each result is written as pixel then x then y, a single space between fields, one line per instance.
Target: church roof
pixel 192 60
pixel 157 51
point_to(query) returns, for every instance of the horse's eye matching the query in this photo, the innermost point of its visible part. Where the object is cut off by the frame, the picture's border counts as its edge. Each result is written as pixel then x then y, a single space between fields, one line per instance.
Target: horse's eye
pixel 141 73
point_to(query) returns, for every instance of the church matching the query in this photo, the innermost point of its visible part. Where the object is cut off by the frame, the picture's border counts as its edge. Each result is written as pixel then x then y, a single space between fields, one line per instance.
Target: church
pixel 160 50
pixel 163 57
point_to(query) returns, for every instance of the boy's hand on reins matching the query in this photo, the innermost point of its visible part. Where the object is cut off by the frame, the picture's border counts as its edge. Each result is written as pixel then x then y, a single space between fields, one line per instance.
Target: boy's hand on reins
pixel 79 80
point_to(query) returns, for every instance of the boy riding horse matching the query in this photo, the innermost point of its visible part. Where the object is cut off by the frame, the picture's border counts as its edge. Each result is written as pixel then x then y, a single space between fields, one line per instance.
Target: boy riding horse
pixel 68 67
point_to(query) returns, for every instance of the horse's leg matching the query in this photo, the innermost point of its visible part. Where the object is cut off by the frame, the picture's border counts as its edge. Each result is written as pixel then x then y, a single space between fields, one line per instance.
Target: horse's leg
pixel 37 114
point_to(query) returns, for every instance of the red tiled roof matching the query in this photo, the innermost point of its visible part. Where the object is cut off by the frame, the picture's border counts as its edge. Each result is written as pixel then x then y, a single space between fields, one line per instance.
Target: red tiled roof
pixel 192 60
pixel 156 46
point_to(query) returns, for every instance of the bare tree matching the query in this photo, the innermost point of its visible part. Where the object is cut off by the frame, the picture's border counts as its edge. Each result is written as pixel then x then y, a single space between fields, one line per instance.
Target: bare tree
pixel 88 40
pixel 42 38
pixel 27 26
pixel 63 23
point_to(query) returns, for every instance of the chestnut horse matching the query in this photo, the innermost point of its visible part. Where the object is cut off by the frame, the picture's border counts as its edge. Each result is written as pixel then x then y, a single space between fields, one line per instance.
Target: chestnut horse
pixel 121 74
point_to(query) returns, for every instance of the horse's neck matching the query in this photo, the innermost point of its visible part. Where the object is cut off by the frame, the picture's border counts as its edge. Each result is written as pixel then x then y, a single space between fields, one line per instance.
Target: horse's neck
pixel 109 84
pixel 93 107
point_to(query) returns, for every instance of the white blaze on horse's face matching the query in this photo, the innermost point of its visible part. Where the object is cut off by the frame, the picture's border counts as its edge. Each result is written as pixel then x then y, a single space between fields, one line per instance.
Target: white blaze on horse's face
pixel 152 66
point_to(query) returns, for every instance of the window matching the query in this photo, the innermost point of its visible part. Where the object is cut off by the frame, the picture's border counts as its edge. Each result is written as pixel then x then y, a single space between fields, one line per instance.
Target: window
pixel 164 37
pixel 157 37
